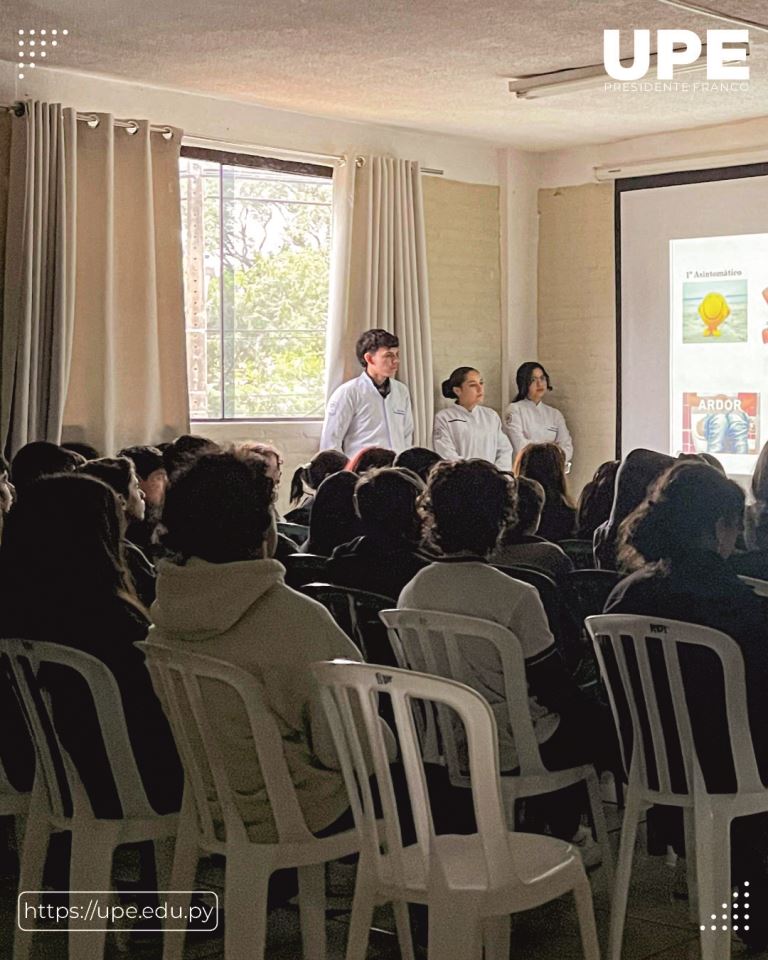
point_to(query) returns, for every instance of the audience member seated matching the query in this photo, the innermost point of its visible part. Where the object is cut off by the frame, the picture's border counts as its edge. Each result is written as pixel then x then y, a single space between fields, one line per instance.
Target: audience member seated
pixel 466 508
pixel 369 459
pixel 678 542
pixel 184 450
pixel 596 500
pixel 41 459
pixel 85 450
pixel 62 580
pixel 519 543
pixel 633 478
pixel 756 515
pixel 545 463
pixel 387 556
pixel 118 473
pixel 306 480
pixel 224 597
pixel 419 459
pixel 148 463
pixel 333 519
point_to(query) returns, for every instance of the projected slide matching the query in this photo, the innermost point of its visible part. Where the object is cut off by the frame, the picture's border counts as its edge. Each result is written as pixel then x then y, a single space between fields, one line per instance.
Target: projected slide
pixel 719 348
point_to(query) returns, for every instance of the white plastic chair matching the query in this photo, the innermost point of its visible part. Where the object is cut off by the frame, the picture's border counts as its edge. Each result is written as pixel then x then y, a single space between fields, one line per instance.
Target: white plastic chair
pixel 759 586
pixel 59 801
pixel 622 648
pixel 433 642
pixel 180 679
pixel 471 884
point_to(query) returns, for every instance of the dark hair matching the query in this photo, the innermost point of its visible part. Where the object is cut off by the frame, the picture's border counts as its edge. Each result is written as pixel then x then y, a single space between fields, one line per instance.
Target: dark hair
pixel 333 519
pixel 116 472
pixel 419 459
pixel 84 449
pixel 41 459
pixel 596 499
pixel 183 451
pixel 456 379
pixel 707 458
pixel 145 459
pixel 369 458
pixel 312 474
pixel 760 475
pixel 219 508
pixel 545 462
pixel 385 501
pixel 467 506
pixel 61 553
pixel 4 465
pixel 373 340
pixel 680 511
pixel 524 376
pixel 530 503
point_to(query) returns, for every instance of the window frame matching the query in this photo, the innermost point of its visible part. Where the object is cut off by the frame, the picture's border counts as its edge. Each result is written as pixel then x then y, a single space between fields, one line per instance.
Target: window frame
pixel 221 155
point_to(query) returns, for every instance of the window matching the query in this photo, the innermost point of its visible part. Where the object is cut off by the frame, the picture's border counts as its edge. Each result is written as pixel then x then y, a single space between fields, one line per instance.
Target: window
pixel 257 239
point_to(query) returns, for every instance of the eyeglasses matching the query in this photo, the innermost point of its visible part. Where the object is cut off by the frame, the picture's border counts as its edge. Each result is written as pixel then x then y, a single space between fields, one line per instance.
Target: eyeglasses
pixel 537 380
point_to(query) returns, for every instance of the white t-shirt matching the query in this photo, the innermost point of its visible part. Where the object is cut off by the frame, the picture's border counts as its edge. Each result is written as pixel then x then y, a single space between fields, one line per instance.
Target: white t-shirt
pixel 358 416
pixel 461 434
pixel 475 589
pixel 528 422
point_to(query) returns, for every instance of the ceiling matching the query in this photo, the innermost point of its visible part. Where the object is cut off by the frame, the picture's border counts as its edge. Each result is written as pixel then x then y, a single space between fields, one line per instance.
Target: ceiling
pixel 438 65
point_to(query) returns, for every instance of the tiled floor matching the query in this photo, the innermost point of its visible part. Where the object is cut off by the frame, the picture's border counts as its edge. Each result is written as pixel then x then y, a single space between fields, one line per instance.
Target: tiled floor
pixel 657 924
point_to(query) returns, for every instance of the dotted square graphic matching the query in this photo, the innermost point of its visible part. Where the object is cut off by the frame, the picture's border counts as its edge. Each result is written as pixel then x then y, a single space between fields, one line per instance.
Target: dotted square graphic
pixel 34 46
pixel 734 915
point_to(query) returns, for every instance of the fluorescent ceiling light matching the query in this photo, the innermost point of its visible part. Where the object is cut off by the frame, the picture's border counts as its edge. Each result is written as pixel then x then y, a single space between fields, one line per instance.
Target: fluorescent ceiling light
pixel 560 82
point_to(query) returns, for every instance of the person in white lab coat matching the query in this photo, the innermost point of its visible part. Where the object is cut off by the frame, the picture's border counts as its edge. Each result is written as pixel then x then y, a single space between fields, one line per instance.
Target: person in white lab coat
pixel 374 409
pixel 468 430
pixel 529 420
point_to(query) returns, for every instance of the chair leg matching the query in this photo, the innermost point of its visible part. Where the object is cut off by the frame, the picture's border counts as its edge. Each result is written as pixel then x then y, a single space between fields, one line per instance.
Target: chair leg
pixel 623 874
pixel 403 926
pixel 713 875
pixel 312 910
pixel 582 894
pixel 363 903
pixel 90 868
pixel 601 829
pixel 246 887
pixel 185 858
pixel 32 862
pixel 496 938
pixel 690 864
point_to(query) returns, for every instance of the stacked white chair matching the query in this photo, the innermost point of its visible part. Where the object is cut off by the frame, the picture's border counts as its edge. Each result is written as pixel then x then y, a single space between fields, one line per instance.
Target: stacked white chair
pixel 639 660
pixel 470 884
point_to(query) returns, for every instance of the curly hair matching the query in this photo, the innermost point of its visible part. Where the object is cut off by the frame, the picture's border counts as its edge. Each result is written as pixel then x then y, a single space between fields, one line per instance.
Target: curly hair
pixel 467 506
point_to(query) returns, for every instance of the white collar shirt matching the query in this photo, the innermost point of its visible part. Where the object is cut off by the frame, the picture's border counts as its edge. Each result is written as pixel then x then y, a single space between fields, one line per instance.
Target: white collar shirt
pixel 357 416
pixel 461 434
pixel 528 422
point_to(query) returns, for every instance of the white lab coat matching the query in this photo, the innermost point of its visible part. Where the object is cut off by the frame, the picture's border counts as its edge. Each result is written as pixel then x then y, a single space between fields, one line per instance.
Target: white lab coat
pixel 461 434
pixel 357 416
pixel 528 422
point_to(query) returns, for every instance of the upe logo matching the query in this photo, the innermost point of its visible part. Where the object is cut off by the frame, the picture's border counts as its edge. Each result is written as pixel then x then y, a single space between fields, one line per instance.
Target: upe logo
pixel 677 48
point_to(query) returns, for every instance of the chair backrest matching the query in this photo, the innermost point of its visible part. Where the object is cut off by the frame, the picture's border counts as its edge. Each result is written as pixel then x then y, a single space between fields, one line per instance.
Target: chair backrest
pixel 183 682
pixel 295 531
pixel 29 661
pixel 301 568
pixel 580 552
pixel 350 694
pixel 433 642
pixel 640 660
pixel 760 587
pixel 357 613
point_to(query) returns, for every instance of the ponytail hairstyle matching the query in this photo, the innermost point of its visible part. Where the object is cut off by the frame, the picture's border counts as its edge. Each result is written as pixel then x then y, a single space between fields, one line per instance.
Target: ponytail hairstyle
pixel 679 515
pixel 456 379
pixel 312 474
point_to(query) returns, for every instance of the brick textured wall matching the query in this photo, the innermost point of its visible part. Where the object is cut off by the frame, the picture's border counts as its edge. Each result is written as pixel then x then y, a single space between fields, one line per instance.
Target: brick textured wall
pixel 577 332
pixel 463 253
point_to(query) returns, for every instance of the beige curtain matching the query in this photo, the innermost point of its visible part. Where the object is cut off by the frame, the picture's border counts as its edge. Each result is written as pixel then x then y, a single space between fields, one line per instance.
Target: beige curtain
pixel 93 344
pixel 128 379
pixel 379 277
pixel 39 289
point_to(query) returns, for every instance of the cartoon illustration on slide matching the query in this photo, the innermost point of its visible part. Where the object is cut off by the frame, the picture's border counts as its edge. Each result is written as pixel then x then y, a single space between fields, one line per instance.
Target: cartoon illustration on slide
pixel 720 423
pixel 715 312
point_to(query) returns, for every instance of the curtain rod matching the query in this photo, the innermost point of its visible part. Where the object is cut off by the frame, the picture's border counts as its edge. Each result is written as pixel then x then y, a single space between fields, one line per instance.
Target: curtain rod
pixel 92 119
